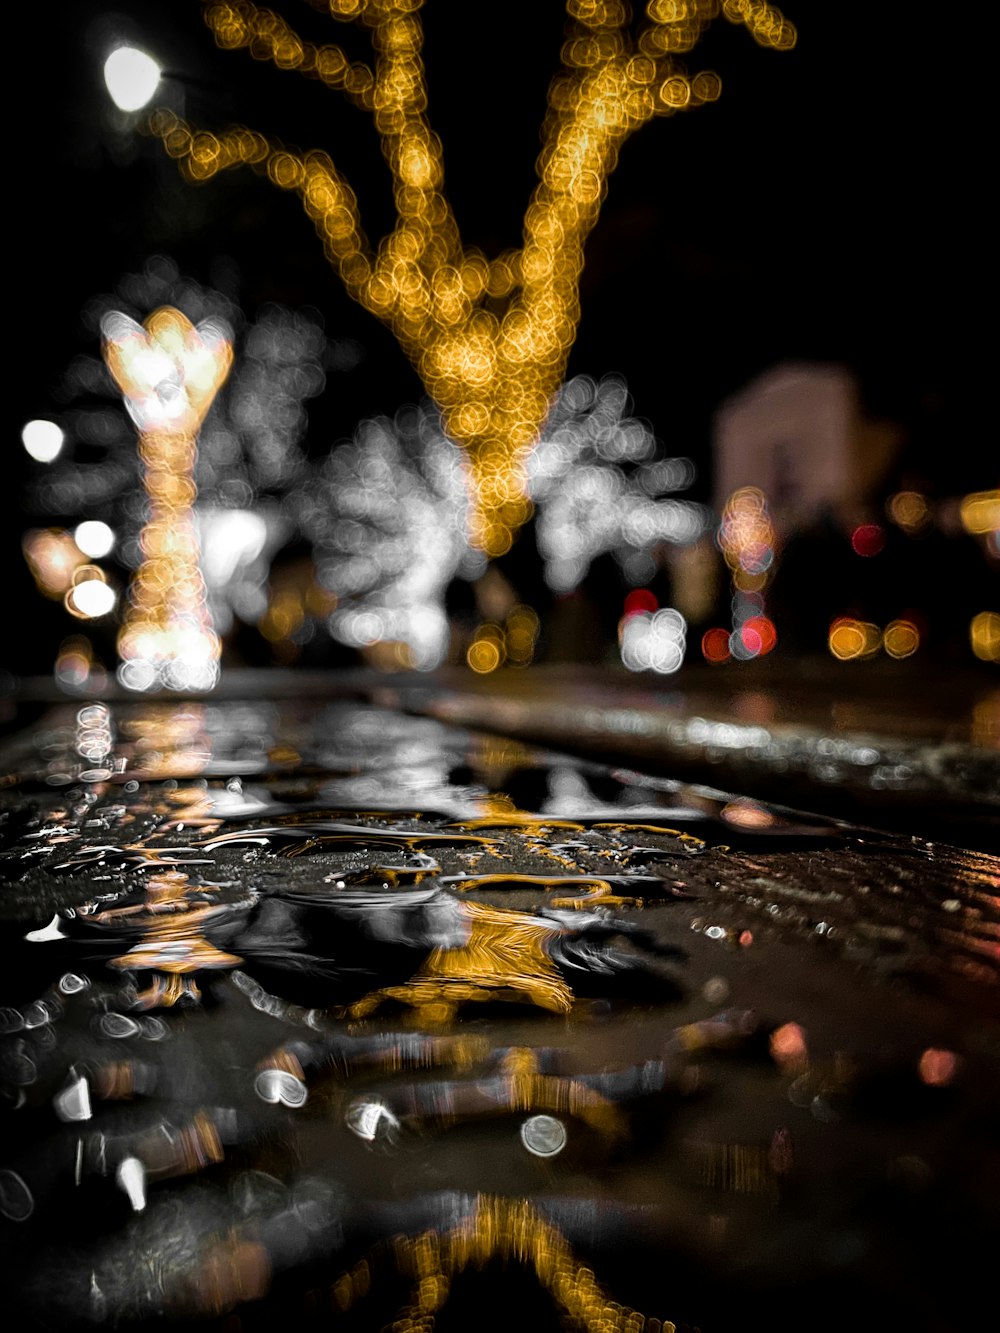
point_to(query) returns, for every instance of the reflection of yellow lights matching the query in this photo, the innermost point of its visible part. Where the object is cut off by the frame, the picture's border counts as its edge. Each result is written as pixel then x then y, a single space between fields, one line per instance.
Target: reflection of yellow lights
pixel 168 372
pixel 984 635
pixel 748 814
pixel 981 512
pixel 497 1229
pixel 503 959
pixel 901 638
pixel 850 639
pixel 489 338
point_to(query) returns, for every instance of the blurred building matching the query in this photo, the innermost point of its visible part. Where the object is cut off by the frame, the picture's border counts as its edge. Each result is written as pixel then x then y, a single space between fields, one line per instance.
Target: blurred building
pixel 866 552
pixel 799 432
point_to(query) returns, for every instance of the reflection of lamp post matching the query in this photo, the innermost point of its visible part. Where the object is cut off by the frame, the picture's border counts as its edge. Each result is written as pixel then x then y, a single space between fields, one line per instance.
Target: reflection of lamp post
pixel 169 372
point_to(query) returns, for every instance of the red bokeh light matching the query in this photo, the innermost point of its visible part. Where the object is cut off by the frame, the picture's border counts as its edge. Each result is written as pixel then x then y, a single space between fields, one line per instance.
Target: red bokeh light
pixel 715 645
pixel 639 600
pixel 868 539
pixel 759 635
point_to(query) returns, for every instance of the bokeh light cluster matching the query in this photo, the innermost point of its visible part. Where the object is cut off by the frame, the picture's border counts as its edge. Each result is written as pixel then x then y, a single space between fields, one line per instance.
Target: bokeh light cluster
pixel 168 371
pixel 654 640
pixel 747 539
pixel 489 336
pixel 852 639
pixel 251 449
pixel 598 479
pixel 387 518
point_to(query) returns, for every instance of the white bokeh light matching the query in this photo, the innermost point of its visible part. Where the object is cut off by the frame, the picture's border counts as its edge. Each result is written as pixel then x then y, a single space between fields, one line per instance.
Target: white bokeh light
pixel 132 77
pixel 94 538
pixel 43 440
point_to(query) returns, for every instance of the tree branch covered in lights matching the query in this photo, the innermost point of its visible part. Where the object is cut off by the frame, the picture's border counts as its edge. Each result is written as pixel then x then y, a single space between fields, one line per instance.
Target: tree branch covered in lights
pixel 600 483
pixel 489 337
pixel 387 516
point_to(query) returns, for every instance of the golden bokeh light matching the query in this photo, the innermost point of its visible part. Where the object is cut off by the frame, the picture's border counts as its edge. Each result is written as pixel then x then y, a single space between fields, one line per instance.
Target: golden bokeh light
pixel 490 338
pixel 851 639
pixel 168 372
pixel 901 638
pixel 981 512
pixel 984 636
pixel 909 510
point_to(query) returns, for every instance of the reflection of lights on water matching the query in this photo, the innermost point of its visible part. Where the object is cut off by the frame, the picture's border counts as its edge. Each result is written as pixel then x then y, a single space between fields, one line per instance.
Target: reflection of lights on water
pixel 279 1086
pixel 72 1102
pixel 94 538
pixel 747 814
pixel 131 1178
pixel 653 640
pixel 984 636
pixel 371 1120
pixel 131 77
pixel 543 1135
pixel 43 440
pixel 94 738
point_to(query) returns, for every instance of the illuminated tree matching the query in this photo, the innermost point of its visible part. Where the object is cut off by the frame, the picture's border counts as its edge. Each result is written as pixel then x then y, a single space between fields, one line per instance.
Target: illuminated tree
pixel 490 338
pixel 387 516
pixel 600 483
pixel 251 449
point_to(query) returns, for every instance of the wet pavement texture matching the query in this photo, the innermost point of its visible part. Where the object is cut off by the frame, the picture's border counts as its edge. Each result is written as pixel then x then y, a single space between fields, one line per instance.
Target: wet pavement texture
pixel 334 1011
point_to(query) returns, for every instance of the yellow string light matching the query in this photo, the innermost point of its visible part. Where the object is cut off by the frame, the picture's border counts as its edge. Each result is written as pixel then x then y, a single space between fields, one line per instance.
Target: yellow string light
pixel 490 339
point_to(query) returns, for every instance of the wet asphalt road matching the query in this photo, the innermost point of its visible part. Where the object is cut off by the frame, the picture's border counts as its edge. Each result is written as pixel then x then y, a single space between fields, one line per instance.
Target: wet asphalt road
pixel 350 1010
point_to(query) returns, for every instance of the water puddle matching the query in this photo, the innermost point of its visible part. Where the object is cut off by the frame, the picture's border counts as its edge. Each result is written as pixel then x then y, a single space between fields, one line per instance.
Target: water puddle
pixel 332 1013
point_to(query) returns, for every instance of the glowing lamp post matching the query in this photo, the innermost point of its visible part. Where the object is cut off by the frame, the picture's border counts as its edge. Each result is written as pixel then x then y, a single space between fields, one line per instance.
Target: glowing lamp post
pixel 169 372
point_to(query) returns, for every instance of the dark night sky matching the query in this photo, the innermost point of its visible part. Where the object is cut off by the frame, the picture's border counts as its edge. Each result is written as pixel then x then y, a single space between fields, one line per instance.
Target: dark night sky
pixel 830 206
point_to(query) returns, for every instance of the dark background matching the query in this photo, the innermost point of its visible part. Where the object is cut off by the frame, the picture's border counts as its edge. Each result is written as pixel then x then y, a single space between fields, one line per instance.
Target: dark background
pixel 831 207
